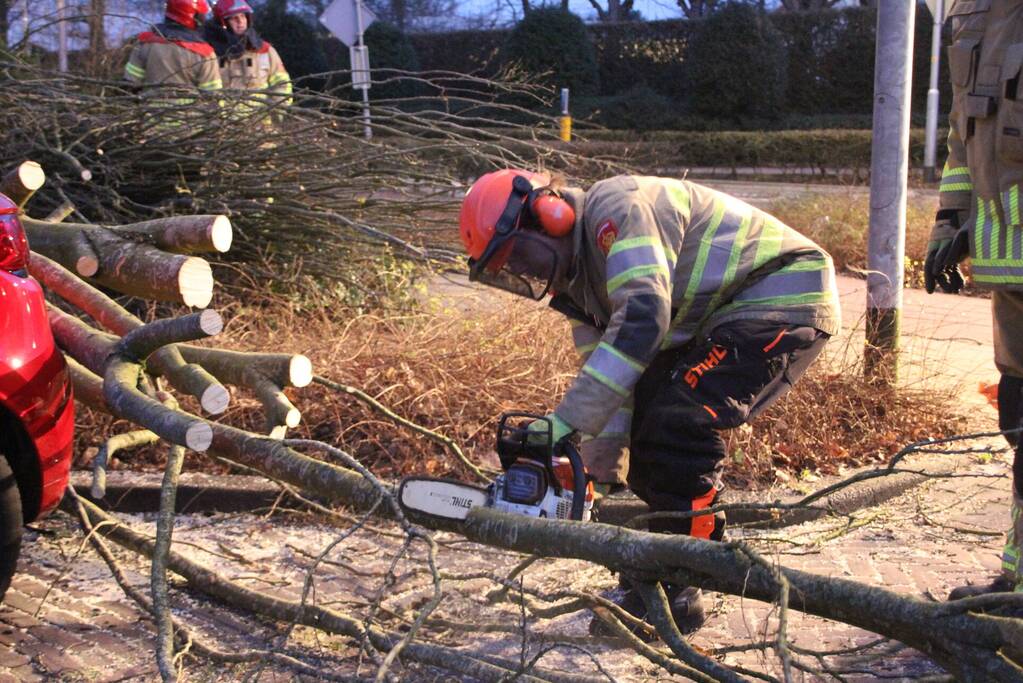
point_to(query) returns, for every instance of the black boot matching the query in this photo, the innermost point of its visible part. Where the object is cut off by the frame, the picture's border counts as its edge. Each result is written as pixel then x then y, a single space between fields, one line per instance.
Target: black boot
pixel 686 603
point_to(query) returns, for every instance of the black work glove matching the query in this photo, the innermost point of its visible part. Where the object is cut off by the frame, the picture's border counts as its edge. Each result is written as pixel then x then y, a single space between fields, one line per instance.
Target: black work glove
pixel 949 245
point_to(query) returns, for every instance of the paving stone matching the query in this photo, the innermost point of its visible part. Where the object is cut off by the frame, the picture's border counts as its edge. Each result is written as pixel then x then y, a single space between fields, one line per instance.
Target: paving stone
pixel 9 659
pixel 50 657
pixel 15 599
pixel 19 619
pixel 23 674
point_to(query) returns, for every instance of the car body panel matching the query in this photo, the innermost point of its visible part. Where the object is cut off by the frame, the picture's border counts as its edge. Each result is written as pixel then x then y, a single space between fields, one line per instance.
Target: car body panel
pixel 34 383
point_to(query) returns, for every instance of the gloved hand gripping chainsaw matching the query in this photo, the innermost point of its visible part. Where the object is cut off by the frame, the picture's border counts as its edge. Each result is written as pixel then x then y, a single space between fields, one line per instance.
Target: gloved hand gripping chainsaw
pixel 542 478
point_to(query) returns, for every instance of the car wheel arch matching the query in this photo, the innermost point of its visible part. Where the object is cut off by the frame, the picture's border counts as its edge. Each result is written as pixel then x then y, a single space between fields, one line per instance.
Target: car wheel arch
pixel 21 455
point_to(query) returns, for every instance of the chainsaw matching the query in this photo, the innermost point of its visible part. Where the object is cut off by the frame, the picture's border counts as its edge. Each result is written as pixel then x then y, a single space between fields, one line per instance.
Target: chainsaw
pixel 541 478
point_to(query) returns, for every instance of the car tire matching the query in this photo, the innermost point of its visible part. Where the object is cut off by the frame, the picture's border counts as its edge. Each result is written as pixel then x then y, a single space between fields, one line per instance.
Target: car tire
pixel 10 525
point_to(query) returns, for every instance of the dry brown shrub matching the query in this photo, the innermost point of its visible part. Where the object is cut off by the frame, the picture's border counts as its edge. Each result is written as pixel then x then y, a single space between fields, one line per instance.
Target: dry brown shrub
pixel 839 223
pixel 454 371
pixel 835 419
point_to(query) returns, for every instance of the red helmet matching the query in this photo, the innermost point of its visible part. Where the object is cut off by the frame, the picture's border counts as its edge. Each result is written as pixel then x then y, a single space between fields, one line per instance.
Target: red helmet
pixel 490 223
pixel 228 8
pixel 185 11
pixel 494 194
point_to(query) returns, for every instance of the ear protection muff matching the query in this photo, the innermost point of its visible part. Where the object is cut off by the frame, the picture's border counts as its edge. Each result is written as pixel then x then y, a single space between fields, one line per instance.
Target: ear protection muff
pixel 555 216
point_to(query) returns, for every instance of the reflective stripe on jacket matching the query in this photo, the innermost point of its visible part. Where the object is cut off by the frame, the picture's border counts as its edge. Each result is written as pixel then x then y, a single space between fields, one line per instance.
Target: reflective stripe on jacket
pixel 659 262
pixel 985 167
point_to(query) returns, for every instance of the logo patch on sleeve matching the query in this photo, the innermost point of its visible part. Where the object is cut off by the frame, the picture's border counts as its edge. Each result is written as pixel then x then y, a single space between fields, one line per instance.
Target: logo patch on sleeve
pixel 607 233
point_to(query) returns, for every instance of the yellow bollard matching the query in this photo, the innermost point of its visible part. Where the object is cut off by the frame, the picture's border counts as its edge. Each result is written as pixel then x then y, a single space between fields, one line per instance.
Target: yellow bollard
pixel 566 128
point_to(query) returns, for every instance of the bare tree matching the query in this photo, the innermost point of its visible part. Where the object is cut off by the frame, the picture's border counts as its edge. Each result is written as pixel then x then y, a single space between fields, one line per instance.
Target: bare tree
pixel 97 27
pixel 694 9
pixel 616 10
pixel 5 8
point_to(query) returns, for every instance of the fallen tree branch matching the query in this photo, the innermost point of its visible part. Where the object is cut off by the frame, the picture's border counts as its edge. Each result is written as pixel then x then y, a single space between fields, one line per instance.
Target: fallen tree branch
pixel 316 616
pixel 183 636
pixel 166 361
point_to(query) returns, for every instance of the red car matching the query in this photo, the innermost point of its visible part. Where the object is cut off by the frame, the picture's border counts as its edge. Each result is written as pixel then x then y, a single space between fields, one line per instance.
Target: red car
pixel 36 409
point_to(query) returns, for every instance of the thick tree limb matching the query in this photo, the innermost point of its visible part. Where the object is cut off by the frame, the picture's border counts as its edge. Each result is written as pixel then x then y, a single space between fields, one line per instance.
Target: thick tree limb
pixel 122 374
pixel 189 378
pixel 123 265
pixel 234 367
pixel 968 645
pixel 158 568
pixel 180 234
pixel 20 183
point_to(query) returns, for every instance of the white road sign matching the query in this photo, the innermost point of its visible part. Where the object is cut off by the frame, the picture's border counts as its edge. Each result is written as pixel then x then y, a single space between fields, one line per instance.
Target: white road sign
pixel 341 20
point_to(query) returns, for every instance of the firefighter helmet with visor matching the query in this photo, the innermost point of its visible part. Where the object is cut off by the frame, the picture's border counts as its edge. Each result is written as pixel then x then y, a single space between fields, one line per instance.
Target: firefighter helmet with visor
pixel 502 219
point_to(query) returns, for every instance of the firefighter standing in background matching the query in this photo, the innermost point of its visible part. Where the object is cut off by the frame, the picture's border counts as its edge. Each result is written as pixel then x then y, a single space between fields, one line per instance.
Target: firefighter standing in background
pixel 247 61
pixel 979 213
pixel 693 312
pixel 174 53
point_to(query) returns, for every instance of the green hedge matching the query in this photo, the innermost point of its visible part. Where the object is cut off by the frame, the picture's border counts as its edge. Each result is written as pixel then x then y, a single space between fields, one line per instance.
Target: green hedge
pixel 830 55
pixel 296 40
pixel 554 47
pixel 737 66
pixel 818 149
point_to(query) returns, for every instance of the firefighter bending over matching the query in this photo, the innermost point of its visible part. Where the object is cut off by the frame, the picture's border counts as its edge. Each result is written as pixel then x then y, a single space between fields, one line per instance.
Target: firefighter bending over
pixel 692 310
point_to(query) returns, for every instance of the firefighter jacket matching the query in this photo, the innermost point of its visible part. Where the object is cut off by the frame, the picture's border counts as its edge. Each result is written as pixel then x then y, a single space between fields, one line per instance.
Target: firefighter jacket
pixel 660 262
pixel 984 170
pixel 247 62
pixel 173 55
pixel 260 69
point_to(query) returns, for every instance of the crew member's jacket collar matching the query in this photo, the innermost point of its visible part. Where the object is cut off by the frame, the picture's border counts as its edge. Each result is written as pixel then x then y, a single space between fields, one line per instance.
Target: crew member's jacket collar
pixel 576 197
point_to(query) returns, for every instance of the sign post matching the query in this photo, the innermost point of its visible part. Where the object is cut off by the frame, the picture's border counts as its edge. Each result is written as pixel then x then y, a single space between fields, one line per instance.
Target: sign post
pixel 931 132
pixel 61 38
pixel 889 167
pixel 348 20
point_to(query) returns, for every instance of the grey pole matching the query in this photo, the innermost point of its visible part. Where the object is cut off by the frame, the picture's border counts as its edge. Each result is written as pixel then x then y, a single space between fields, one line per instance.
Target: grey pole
pixel 889 168
pixel 367 128
pixel 931 139
pixel 61 38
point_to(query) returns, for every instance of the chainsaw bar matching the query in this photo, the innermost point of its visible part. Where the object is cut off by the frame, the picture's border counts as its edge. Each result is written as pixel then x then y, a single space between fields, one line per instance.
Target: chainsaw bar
pixel 441 498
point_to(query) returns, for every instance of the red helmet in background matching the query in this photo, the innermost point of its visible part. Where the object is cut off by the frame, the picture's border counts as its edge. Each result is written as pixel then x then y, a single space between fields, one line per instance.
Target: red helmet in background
pixel 228 8
pixel 185 11
pixel 490 225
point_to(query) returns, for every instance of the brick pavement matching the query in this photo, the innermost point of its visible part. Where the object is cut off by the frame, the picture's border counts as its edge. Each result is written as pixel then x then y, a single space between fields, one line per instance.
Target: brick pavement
pixel 919 545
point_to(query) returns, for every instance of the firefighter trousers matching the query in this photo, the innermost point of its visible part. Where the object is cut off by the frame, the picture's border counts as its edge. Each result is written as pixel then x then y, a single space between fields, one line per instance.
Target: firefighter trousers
pixel 1007 316
pixel 687 395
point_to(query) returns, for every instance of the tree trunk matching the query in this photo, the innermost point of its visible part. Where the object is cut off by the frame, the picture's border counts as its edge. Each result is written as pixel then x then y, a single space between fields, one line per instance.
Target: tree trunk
pixel 399 11
pixel 5 24
pixel 97 30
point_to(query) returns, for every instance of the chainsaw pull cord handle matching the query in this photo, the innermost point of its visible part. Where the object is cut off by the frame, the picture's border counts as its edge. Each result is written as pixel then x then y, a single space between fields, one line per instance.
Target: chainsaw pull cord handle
pixel 578 478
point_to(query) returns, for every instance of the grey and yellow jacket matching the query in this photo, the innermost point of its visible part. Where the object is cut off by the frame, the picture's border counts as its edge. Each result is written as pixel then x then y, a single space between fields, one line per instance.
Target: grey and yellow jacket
pixel 984 170
pixel 248 62
pixel 171 54
pixel 660 262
